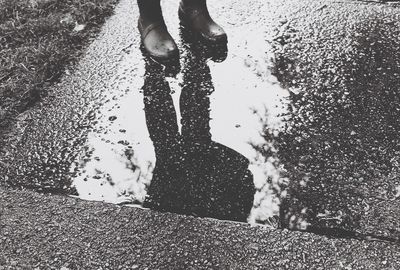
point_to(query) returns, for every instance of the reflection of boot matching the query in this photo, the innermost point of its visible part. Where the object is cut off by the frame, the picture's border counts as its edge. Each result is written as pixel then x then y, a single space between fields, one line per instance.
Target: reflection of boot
pixel 194 14
pixel 155 37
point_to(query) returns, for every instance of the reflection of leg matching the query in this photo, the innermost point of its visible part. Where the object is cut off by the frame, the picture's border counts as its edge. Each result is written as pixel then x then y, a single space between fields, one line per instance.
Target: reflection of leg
pixel 164 192
pixel 220 184
pixel 195 100
pixel 159 108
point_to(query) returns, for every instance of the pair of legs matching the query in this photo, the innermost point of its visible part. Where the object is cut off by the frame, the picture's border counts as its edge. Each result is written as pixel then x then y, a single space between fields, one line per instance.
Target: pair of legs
pixel 155 37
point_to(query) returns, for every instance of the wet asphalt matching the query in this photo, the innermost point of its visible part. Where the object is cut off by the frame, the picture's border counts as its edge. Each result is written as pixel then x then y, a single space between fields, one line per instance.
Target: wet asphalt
pixel 299 122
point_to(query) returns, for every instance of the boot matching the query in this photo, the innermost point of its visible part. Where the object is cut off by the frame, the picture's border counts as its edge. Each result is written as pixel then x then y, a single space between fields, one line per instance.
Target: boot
pixel 156 40
pixel 194 15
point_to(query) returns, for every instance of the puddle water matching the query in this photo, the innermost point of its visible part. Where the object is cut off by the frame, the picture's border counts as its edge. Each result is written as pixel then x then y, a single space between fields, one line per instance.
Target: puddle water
pixel 118 159
pixel 209 110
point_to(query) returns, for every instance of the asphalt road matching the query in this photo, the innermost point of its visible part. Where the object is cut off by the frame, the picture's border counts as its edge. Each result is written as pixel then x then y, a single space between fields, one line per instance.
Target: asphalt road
pixel 321 77
pixel 57 232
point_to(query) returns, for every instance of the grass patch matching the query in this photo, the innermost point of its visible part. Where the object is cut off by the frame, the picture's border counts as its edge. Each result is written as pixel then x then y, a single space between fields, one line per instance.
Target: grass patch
pixel 38 40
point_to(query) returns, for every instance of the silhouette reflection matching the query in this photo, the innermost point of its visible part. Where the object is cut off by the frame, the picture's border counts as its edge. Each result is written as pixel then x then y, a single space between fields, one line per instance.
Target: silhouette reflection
pixel 193 174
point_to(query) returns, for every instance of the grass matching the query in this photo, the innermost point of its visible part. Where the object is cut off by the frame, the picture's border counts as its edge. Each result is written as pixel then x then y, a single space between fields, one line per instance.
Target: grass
pixel 38 40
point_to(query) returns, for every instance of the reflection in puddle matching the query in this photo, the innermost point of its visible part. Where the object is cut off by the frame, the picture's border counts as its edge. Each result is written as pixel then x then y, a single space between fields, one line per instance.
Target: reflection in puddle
pixel 120 159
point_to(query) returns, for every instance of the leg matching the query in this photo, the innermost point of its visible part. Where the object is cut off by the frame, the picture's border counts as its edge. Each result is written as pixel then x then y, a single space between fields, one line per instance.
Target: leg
pixel 150 11
pixel 160 111
pixel 195 99
pixel 164 192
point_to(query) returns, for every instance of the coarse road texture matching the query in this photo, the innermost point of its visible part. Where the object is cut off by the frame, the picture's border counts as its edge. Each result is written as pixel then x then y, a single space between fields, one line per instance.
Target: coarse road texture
pixel 51 232
pixel 338 148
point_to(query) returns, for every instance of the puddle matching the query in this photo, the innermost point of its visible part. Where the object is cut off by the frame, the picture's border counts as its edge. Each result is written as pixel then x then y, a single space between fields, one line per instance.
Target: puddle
pixel 119 157
pixel 321 153
pixel 224 104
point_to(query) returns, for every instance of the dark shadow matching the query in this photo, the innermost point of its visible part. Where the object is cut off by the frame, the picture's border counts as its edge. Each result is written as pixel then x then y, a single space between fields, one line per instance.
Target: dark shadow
pixel 193 174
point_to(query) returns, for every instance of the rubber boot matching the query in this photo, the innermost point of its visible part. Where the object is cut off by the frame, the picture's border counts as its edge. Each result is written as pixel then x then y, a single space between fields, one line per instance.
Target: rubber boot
pixel 156 40
pixel 194 15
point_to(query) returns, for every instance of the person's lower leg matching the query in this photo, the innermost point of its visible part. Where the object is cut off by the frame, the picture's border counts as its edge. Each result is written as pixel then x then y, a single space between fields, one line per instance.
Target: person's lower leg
pixel 150 11
pixel 195 3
